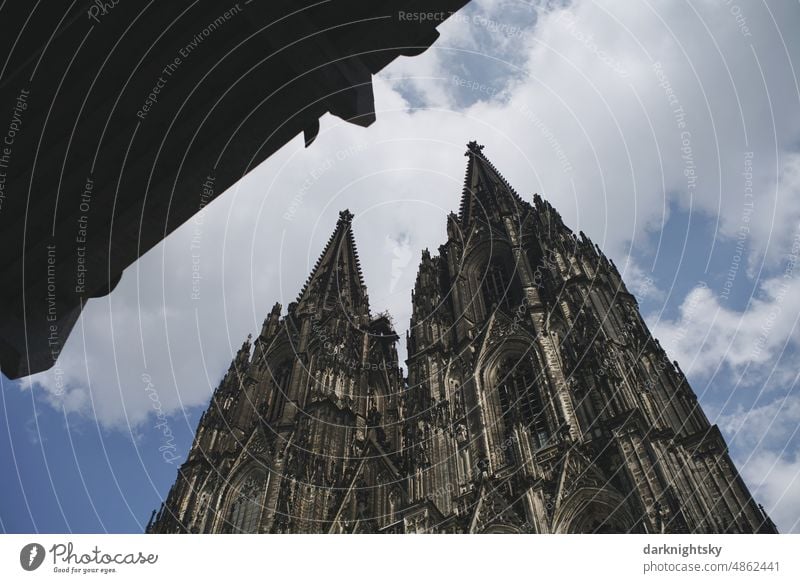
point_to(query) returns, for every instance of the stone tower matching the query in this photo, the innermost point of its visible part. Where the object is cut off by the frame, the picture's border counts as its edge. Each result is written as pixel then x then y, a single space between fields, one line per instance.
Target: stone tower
pixel 294 437
pixel 536 400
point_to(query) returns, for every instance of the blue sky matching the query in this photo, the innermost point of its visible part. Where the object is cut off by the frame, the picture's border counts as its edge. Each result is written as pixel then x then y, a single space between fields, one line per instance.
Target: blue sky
pixel 637 120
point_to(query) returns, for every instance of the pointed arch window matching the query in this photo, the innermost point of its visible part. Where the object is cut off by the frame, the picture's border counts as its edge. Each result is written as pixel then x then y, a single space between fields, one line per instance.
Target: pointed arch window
pixel 245 509
pixel 495 286
pixel 283 375
pixel 521 400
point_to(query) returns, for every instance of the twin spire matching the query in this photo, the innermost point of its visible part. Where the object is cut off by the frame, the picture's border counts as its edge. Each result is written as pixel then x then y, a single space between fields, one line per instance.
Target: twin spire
pixel 486 190
pixel 336 279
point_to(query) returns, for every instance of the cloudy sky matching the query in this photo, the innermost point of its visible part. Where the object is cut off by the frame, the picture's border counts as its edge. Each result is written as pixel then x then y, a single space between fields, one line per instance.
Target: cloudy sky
pixel 668 131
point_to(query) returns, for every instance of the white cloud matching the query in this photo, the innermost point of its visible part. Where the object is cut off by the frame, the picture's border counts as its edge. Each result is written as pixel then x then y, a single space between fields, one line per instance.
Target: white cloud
pixel 776 232
pixel 639 282
pixel 764 442
pixel 773 426
pixel 775 479
pixel 708 335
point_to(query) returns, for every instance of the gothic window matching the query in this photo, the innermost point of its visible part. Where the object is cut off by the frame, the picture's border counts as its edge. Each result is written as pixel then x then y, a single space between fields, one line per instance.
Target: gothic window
pixel 282 376
pixel 605 313
pixel 520 399
pixel 245 510
pixel 495 286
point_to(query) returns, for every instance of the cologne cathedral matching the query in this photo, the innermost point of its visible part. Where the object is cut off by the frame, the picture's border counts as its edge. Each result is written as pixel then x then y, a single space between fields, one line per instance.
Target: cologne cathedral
pixel 535 400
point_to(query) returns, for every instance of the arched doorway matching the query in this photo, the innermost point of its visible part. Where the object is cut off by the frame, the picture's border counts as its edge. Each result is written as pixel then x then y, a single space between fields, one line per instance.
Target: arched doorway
pixel 595 511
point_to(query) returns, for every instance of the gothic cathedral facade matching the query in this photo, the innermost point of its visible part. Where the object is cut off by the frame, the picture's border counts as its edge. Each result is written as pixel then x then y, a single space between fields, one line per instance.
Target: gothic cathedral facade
pixel 536 400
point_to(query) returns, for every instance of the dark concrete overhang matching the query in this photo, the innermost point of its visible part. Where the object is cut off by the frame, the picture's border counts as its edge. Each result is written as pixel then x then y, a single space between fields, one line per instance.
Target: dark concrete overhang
pixel 120 120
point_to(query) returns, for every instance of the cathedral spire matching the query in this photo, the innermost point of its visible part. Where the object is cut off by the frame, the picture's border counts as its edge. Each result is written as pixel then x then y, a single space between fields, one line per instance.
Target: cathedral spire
pixel 486 191
pixel 336 279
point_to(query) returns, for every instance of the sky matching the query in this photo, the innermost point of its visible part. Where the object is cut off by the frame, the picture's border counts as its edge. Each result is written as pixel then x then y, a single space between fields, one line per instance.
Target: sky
pixel 669 132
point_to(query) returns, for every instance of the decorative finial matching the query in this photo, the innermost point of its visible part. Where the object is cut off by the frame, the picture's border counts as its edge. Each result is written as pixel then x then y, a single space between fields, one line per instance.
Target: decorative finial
pixel 345 216
pixel 473 148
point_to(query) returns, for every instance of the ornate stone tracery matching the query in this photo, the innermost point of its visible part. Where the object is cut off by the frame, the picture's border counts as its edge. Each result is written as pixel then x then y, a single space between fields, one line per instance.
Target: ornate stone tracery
pixel 246 502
